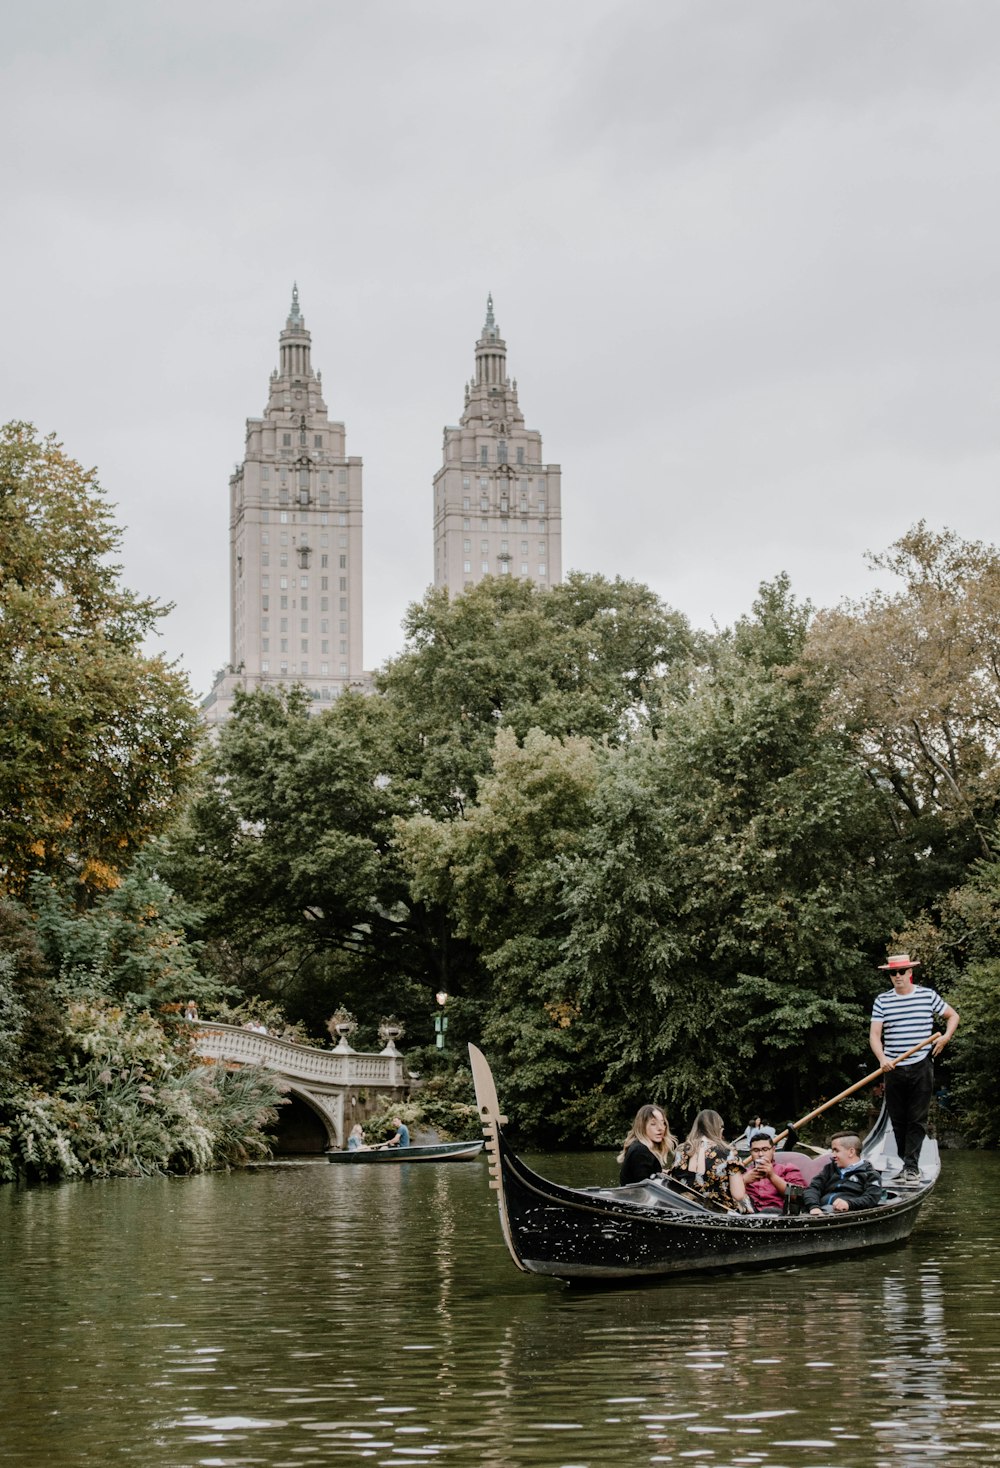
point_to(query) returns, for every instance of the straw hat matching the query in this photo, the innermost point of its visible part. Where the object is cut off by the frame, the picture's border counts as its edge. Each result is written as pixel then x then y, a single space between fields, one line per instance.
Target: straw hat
pixel 900 960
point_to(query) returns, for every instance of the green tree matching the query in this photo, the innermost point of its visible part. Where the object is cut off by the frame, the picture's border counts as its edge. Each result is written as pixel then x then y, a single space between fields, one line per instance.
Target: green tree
pixel 96 739
pixel 579 660
pixel 733 888
pixel 496 871
pixel 914 677
pixel 287 852
pixel 708 920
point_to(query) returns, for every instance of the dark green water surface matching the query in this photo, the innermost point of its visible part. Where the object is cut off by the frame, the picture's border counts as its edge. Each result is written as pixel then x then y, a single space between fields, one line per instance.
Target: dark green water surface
pixel 315 1314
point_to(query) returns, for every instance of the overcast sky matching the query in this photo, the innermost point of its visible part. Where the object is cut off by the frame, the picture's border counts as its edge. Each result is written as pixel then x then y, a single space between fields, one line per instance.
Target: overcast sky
pixel 744 256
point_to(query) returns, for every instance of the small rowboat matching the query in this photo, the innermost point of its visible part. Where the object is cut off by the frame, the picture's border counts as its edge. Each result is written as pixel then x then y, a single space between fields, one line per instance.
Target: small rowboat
pixel 435 1152
pixel 650 1229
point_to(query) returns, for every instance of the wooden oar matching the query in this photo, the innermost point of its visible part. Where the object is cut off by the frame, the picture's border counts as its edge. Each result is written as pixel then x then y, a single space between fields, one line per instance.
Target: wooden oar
pixel 851 1089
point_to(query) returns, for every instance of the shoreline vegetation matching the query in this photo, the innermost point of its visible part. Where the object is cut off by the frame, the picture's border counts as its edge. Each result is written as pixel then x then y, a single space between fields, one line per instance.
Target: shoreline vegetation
pixel 641 861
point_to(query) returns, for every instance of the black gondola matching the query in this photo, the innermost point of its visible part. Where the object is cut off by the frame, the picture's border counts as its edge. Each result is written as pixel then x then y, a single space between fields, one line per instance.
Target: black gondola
pixel 650 1229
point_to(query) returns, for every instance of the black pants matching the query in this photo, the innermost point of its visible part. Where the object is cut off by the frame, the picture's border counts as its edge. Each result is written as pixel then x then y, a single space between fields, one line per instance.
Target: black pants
pixel 908 1092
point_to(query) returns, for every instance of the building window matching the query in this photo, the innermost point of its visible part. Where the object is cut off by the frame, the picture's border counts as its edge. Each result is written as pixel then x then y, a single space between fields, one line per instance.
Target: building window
pixel 505 568
pixel 343 625
pixel 265 644
pixel 466 566
pixel 484 566
pixel 524 568
pixel 503 547
pixel 484 484
pixel 324 669
pixel 317 440
pixel 324 646
pixel 284 603
pixel 466 524
pixel 265 516
pixel 341 476
pixel 520 456
pixel 465 482
pixel 467 545
pixel 342 497
pixel 501 452
pixel 343 562
pixel 286 439
pixel 284 583
pixel 541 568
pixel 303 624
pixel 304 647
pixel 342 541
pixel 264 667
pixel 524 547
pixel 324 561
pixel 265 471
pixel 283 516
pixel 483 455
pixel 265 558
pixel 343 670
pixel 343 603
pixel 541 547
pixel 541 506
pixel 466 504
pixel 484 546
pixel 264 601
pixel 284 644
pixel 283 559
pixel 343 583
pixel 303 583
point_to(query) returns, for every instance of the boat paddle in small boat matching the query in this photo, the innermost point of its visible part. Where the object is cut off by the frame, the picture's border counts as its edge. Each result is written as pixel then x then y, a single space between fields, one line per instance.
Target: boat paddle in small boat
pixel 656 1228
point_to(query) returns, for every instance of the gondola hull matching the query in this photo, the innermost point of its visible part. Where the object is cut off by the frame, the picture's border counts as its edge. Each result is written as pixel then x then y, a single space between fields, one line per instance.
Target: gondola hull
pixel 647 1230
pixel 435 1152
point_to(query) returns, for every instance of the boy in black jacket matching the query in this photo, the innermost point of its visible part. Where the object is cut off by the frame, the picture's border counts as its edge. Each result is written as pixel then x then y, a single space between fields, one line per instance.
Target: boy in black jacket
pixel 846 1182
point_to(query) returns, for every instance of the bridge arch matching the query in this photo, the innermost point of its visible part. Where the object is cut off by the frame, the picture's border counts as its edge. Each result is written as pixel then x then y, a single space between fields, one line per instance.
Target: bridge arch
pixel 319 1084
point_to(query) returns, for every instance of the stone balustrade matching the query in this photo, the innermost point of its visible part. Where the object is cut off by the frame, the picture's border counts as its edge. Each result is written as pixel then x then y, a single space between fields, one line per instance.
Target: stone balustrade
pixel 341 1068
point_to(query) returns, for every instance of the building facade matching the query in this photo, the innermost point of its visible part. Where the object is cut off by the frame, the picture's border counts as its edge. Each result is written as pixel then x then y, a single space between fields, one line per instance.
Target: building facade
pixel 295 542
pixel 497 505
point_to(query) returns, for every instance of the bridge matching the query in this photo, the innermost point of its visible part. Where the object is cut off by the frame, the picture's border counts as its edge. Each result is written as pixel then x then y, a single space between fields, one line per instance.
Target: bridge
pixel 328 1090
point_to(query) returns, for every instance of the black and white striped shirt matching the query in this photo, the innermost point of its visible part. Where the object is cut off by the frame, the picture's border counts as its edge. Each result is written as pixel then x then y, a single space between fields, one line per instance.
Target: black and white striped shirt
pixel 906 1020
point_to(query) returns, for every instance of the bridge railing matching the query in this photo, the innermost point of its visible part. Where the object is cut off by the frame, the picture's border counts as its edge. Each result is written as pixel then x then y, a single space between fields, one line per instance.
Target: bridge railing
pixel 299 1062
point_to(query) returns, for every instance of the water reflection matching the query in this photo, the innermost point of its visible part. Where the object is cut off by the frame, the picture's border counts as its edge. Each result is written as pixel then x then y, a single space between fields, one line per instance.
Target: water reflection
pixel 372 1316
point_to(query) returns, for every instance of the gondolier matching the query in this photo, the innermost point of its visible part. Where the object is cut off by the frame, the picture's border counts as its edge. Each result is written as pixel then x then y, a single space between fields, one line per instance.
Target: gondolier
pixel 903 1017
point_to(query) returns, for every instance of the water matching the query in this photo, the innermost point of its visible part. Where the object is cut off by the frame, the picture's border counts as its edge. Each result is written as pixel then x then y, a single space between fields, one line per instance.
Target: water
pixel 335 1315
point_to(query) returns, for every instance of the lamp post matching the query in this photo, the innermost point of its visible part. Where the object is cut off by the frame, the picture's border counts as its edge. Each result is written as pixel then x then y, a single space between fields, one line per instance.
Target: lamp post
pixel 440 1020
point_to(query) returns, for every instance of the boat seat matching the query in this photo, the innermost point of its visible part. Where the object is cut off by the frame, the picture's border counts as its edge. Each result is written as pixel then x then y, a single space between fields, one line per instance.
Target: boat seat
pixel 808 1165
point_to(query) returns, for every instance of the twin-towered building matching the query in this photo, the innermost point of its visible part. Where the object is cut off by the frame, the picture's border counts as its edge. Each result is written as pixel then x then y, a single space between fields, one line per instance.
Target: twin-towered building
pixel 295 521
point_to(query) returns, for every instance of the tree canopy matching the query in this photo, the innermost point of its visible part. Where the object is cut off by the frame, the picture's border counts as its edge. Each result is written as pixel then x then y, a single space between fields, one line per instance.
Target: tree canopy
pixel 96 738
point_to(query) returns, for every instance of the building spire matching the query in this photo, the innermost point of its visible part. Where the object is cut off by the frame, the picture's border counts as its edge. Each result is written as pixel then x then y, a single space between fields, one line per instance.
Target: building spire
pixel 490 323
pixel 295 315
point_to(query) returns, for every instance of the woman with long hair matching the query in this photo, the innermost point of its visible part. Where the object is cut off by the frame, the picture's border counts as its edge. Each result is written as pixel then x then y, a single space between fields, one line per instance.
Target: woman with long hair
pixel 649 1148
pixel 706 1162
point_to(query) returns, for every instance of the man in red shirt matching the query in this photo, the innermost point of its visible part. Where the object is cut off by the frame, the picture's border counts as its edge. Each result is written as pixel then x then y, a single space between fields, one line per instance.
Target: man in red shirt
pixel 767 1180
